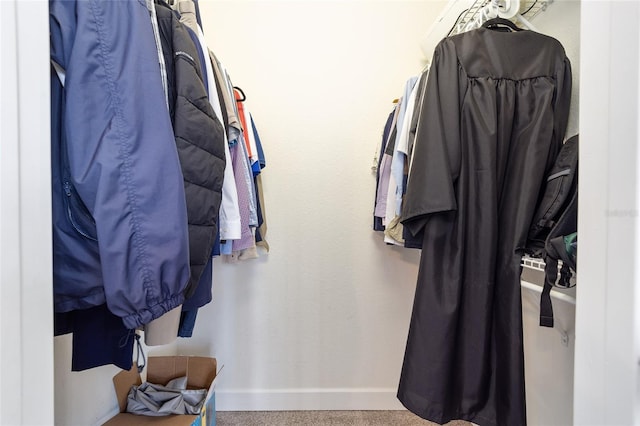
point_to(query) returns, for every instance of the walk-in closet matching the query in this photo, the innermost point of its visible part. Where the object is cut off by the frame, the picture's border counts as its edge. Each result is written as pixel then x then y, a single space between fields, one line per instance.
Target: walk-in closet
pixel 308 294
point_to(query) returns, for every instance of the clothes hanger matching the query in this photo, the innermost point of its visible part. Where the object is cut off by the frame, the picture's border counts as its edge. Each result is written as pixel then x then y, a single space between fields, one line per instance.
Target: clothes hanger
pixel 244 97
pixel 495 23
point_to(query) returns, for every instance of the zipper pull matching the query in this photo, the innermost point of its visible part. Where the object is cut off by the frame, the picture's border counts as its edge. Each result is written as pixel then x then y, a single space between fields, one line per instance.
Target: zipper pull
pixel 67 188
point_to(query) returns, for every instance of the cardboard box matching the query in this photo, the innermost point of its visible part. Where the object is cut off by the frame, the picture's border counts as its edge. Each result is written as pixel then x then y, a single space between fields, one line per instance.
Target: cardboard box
pixel 201 373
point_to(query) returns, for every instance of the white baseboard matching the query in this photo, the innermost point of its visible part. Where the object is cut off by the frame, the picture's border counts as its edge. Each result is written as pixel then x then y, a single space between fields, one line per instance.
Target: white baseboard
pixel 307 399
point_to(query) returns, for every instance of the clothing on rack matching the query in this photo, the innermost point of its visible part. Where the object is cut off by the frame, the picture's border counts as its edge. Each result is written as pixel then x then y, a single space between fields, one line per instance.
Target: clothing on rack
pixel 99 338
pixel 378 224
pixel 397 182
pixel 261 230
pixel 112 200
pixel 199 141
pixel 394 161
pixel 142 180
pixel 243 174
pixel 248 146
pixel 229 211
pixel 384 168
pixel 409 240
pixel 493 118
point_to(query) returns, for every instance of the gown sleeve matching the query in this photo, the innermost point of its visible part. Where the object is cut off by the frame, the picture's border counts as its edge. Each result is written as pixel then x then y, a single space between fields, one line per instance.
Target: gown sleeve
pixel 562 100
pixel 436 156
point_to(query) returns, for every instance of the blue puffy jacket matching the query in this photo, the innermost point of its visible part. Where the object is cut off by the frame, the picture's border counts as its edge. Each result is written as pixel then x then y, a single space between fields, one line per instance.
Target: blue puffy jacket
pixel 119 214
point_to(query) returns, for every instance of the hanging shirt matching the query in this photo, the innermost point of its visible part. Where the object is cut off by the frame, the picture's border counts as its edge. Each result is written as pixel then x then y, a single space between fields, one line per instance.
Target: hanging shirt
pixel 250 157
pixel 249 138
pixel 415 119
pixel 393 231
pixel 385 172
pixel 399 163
pixel 261 230
pixel 494 116
pixel 233 123
pixel 156 34
pixel 239 161
pixel 377 220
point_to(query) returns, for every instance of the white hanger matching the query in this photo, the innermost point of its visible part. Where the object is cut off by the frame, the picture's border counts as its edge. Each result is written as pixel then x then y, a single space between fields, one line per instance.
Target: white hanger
pixel 506 9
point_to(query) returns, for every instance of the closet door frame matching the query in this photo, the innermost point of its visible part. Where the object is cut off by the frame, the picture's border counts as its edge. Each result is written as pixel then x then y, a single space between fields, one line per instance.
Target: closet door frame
pixel 607 350
pixel 26 299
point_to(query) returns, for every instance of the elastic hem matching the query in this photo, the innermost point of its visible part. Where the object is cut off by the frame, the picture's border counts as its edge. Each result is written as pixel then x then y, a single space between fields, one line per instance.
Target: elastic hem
pixel 145 316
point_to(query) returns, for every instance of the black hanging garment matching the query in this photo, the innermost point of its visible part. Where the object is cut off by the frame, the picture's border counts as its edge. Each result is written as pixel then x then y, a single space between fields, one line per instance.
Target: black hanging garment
pixel 199 140
pixel 493 119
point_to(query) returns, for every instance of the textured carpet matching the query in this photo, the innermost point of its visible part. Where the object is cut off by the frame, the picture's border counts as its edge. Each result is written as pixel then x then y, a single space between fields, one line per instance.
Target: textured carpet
pixel 323 418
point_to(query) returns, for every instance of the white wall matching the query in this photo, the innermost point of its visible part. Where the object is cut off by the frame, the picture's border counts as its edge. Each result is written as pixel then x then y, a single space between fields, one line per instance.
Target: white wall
pixel 26 300
pixel 75 404
pixel 607 352
pixel 321 321
pixel 88 397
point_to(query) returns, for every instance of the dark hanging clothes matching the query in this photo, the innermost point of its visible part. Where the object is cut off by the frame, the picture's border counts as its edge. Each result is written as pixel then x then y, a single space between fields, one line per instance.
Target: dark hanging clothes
pixel 199 139
pixel 493 118
pixel 99 338
pixel 202 296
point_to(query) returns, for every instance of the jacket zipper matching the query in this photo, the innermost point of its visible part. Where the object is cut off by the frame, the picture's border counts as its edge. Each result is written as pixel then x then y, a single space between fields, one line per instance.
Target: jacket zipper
pixel 67 191
pixel 67 188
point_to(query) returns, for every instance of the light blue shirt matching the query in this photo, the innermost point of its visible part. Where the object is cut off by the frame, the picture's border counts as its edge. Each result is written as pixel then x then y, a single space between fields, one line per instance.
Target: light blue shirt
pixel 397 164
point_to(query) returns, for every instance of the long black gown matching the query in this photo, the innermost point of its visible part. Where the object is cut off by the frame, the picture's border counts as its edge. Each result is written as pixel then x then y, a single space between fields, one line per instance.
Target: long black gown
pixel 493 118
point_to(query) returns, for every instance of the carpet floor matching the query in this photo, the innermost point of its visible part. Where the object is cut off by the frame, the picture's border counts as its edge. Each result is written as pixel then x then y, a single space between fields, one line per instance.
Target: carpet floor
pixel 323 418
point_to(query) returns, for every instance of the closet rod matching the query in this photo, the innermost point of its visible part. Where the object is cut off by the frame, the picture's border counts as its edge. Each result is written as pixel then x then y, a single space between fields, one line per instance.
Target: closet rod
pixel 554 293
